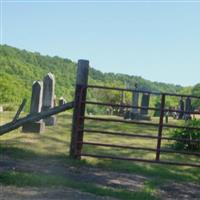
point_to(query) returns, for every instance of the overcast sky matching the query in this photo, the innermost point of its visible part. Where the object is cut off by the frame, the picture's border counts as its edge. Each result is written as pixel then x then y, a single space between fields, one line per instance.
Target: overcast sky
pixel 159 41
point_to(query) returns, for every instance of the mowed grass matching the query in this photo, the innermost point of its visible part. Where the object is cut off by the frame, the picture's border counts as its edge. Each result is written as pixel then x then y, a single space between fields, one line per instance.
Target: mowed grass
pixel 54 144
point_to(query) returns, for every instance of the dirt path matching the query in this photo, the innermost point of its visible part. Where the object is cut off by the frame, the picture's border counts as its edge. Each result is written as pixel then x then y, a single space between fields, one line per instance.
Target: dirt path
pixel 97 176
pixel 52 193
pixel 180 191
pixel 131 182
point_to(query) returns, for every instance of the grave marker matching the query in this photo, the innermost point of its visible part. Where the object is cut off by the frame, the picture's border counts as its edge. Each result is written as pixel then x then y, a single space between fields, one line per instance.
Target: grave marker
pixel 36 104
pixel 145 104
pixel 48 97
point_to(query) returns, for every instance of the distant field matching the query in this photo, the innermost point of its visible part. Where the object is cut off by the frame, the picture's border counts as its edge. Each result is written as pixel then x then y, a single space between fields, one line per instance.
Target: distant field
pixel 42 160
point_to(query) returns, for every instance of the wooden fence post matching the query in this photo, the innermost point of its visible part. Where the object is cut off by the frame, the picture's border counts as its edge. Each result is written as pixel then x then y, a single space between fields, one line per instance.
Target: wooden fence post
pixel 160 128
pixel 79 109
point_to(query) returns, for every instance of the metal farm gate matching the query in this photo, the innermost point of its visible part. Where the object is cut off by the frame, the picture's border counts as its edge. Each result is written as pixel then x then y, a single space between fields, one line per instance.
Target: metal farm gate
pixel 79 117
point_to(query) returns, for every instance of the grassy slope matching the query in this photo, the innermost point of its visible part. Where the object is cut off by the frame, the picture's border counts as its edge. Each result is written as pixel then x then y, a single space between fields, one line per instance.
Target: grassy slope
pixel 53 146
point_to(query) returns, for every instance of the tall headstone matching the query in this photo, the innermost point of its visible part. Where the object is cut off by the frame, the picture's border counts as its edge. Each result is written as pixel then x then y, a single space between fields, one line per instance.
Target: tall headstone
pixel 134 113
pixel 135 99
pixel 36 105
pixel 145 104
pixel 48 97
pixel 187 108
pixel 181 109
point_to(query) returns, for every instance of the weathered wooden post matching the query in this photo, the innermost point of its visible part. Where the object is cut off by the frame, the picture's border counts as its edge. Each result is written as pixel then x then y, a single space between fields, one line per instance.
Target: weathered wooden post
pixel 79 109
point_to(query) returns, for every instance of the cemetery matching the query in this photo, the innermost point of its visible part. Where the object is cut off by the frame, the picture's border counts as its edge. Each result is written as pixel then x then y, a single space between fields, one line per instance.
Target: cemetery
pixel 62 137
pixel 99 100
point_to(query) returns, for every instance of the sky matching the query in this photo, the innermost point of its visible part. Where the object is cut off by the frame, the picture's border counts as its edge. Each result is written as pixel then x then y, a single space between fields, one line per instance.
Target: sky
pixel 158 40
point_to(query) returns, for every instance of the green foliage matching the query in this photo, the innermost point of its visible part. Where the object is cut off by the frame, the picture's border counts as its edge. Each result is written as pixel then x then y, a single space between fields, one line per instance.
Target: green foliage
pixel 196 92
pixel 185 133
pixel 19 68
pixel 41 180
pixel 186 90
pixel 157 112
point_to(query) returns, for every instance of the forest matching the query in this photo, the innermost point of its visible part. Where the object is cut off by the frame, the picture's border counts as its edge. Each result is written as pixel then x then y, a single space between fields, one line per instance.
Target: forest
pixel 19 68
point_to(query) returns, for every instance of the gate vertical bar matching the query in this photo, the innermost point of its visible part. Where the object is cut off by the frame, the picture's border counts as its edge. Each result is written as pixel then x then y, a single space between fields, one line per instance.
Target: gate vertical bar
pixel 160 128
pixel 79 109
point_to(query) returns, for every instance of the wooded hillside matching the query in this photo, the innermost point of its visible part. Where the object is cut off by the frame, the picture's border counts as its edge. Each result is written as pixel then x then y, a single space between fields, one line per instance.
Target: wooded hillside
pixel 19 68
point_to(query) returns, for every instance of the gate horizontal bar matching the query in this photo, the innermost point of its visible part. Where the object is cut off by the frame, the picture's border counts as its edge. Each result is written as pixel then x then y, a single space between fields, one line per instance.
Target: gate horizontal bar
pixel 118 120
pixel 139 107
pixel 121 89
pixel 119 105
pixel 140 123
pixel 141 91
pixel 138 135
pixel 120 134
pixel 139 160
pixel 140 148
pixel 117 146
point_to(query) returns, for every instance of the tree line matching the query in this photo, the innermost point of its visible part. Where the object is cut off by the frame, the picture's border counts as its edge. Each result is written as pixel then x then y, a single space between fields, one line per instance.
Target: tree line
pixel 19 68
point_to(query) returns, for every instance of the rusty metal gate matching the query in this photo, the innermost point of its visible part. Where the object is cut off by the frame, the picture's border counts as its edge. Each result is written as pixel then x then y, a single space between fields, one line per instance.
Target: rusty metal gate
pixel 79 130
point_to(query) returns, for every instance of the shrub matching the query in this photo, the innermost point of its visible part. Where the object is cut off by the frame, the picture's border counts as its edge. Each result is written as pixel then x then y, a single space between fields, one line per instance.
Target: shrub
pixel 186 133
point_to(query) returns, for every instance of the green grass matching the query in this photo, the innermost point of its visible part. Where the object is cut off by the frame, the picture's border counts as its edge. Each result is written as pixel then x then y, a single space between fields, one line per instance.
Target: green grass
pixel 39 180
pixel 53 145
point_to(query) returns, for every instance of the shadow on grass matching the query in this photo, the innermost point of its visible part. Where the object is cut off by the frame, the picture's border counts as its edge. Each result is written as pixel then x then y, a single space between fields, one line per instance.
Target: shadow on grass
pixel 158 173
pixel 154 171
pixel 21 153
pixel 39 180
